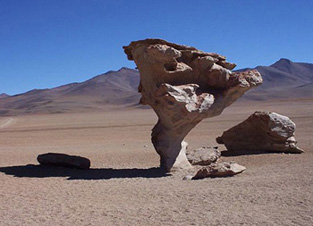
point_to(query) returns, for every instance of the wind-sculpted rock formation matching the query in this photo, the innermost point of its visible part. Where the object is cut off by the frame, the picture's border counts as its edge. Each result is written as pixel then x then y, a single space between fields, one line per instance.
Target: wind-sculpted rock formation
pixel 261 132
pixel 184 85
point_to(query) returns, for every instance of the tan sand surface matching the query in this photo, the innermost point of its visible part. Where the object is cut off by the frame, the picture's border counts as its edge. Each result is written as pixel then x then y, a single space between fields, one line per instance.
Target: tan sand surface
pixel 124 186
pixel 6 122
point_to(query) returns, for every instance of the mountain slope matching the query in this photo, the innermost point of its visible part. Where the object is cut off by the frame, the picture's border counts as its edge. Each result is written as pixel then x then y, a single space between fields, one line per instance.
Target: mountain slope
pixel 3 95
pixel 99 93
pixel 283 80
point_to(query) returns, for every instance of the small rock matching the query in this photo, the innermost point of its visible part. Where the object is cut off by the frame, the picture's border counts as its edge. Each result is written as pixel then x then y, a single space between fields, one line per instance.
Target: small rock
pixel 58 159
pixel 224 169
pixel 188 177
pixel 203 156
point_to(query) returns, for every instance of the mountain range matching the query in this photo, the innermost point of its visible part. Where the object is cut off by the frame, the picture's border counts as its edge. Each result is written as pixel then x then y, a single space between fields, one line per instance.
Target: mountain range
pixel 283 80
pixel 118 89
pixel 100 93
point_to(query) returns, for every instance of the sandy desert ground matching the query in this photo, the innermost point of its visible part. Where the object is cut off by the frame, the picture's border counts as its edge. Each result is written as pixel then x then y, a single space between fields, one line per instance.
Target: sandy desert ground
pixel 124 186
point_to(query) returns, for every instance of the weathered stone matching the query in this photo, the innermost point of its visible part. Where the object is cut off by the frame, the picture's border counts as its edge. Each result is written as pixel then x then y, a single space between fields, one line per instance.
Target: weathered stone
pixel 203 156
pixel 261 132
pixel 58 159
pixel 188 177
pixel 224 169
pixel 184 85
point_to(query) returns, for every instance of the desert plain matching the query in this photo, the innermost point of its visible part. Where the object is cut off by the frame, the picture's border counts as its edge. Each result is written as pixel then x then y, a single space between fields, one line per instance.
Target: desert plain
pixel 124 185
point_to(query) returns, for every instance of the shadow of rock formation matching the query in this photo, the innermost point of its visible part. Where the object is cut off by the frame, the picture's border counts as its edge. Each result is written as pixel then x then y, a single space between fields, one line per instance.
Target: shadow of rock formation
pixel 39 171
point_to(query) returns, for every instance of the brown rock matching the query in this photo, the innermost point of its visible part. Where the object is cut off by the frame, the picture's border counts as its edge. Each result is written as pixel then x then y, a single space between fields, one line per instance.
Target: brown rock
pixel 184 85
pixel 224 169
pixel 58 159
pixel 261 132
pixel 203 156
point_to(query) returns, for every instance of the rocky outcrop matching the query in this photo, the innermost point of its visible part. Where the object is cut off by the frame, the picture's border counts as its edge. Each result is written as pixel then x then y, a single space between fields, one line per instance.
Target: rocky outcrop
pixel 184 85
pixel 261 132
pixel 64 160
pixel 224 169
pixel 208 157
pixel 203 156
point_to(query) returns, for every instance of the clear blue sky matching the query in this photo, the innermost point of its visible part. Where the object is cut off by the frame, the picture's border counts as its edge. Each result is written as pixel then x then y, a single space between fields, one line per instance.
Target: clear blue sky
pixel 46 43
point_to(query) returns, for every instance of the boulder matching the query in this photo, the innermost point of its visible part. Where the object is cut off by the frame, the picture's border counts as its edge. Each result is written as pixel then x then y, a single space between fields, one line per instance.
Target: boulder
pixel 261 132
pixel 184 85
pixel 64 160
pixel 203 156
pixel 224 169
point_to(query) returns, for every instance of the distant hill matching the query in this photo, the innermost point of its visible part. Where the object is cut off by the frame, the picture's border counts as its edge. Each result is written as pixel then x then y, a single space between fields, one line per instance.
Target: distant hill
pixel 282 80
pixel 3 95
pixel 105 91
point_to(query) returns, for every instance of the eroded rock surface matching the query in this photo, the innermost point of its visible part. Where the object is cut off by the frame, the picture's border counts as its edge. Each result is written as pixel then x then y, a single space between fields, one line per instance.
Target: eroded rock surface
pixel 203 156
pixel 223 169
pixel 184 85
pixel 64 160
pixel 261 132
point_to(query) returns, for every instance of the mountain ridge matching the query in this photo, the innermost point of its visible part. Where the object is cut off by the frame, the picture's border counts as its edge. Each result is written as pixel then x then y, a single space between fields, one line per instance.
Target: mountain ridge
pixel 283 79
pixel 3 95
pixel 102 92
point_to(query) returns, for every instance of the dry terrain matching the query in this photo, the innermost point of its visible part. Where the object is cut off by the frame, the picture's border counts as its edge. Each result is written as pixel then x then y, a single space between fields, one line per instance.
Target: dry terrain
pixel 124 186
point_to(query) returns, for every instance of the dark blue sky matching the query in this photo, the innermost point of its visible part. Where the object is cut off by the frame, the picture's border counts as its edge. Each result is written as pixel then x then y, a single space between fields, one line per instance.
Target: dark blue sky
pixel 46 43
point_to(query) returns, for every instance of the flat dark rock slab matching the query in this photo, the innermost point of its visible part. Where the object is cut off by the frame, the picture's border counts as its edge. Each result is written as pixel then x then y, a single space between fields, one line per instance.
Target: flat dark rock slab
pixel 64 160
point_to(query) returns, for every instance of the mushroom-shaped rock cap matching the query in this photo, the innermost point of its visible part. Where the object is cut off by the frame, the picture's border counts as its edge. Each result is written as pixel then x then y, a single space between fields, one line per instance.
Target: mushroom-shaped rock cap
pixel 184 85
